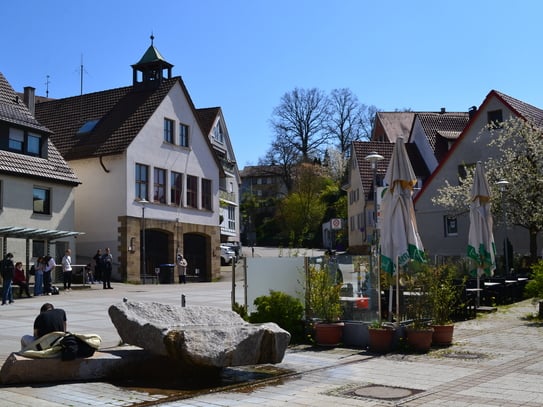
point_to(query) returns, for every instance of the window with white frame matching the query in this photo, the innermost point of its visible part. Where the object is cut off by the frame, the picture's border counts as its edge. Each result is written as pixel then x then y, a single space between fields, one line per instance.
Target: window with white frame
pixel 231 217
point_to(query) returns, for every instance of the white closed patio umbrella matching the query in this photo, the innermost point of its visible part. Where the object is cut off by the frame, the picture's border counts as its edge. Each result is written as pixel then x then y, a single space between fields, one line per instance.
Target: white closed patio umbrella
pixel 481 246
pixel 400 240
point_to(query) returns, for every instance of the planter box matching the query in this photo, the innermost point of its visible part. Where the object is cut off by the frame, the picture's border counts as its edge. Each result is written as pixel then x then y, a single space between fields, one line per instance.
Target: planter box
pixel 355 333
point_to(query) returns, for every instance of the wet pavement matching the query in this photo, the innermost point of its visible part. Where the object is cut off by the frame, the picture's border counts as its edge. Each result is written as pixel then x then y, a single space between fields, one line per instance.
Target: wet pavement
pixel 496 360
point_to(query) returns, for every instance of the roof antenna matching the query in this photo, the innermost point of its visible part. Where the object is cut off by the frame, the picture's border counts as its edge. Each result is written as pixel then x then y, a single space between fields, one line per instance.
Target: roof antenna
pixel 81 76
pixel 47 82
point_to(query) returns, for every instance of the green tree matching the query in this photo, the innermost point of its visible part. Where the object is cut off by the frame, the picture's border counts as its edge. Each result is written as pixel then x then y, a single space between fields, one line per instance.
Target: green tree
pixel 301 212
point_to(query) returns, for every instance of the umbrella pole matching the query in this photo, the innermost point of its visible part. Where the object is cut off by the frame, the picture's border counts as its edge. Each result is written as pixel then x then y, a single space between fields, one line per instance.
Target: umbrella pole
pixel 390 300
pixel 478 287
pixel 397 293
pixel 378 286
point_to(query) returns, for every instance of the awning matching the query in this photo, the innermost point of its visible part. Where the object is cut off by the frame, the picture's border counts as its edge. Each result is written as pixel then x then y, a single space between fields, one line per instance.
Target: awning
pixel 18 232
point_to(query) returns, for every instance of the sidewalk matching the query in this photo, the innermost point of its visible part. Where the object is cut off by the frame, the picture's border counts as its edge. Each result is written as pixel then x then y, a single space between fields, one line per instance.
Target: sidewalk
pixel 497 360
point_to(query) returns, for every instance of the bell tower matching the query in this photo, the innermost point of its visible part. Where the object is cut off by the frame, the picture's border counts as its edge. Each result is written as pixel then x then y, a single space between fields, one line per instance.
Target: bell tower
pixel 151 69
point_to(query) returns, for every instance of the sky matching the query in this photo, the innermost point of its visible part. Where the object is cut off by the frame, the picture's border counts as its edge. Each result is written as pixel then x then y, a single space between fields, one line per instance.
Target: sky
pixel 244 55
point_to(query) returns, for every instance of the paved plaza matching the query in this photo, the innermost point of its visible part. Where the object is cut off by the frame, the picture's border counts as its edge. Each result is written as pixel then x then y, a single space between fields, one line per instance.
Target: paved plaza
pixel 496 360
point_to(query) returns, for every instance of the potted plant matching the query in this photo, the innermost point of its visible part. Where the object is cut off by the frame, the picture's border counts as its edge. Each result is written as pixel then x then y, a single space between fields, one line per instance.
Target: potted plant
pixel 323 304
pixel 443 297
pixel 381 337
pixel 418 332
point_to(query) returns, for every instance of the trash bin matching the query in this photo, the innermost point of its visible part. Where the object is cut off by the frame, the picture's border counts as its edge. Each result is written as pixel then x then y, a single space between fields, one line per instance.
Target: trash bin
pixel 166 275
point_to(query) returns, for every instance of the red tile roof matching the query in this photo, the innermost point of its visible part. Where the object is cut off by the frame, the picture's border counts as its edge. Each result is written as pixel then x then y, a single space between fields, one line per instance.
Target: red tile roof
pixel 121 112
pixel 15 113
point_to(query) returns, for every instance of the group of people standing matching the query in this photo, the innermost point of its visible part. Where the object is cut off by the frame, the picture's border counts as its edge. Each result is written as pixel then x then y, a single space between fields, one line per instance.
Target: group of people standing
pixel 14 274
pixel 103 265
pixel 42 271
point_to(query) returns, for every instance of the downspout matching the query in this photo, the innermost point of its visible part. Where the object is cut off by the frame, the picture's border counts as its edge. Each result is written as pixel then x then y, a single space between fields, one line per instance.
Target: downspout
pixel 102 164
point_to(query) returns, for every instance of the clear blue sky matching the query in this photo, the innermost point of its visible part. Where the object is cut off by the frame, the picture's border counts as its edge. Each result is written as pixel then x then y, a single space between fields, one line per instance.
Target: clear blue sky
pixel 243 55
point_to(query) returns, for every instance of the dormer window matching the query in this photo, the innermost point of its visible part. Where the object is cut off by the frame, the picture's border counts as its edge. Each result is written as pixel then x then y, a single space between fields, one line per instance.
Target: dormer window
pixel 25 143
pixel 218 133
pixel 16 140
pixel 34 145
pixel 87 127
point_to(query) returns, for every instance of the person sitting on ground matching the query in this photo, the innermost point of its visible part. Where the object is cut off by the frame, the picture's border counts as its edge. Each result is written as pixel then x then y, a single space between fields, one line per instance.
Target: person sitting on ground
pixel 20 279
pixel 50 319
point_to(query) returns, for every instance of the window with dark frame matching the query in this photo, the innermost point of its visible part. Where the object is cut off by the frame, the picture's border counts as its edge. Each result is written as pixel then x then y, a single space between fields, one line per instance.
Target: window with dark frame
pixel 16 140
pixel 41 198
pixel 176 188
pixel 206 194
pixel 33 145
pixel 451 226
pixel 192 191
pixel 142 181
pixel 168 131
pixel 495 117
pixel 183 135
pixel 159 185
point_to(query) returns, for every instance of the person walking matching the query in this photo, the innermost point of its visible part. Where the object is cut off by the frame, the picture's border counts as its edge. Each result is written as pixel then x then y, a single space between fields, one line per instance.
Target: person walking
pixel 67 270
pixel 182 268
pixel 107 261
pixel 7 270
pixel 21 279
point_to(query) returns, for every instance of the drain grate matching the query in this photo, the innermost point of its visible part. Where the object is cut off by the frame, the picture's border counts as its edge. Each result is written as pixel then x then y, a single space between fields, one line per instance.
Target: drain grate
pixel 464 355
pixel 372 391
pixel 383 392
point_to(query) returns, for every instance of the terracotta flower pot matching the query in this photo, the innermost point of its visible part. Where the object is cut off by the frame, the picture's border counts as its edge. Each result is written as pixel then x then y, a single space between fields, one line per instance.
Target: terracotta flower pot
pixel 420 340
pixel 381 340
pixel 443 334
pixel 328 334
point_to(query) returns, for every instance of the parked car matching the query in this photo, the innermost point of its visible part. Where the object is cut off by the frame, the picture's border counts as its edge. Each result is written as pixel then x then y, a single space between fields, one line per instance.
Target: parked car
pixel 236 247
pixel 227 255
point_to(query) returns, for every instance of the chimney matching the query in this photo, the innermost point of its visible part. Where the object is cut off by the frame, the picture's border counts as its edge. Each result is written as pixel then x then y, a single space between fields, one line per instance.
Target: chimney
pixel 442 110
pixel 471 111
pixel 29 98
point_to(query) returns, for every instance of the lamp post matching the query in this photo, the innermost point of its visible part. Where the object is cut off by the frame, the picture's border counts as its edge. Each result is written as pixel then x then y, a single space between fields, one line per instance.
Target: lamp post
pixel 374 158
pixel 502 184
pixel 143 202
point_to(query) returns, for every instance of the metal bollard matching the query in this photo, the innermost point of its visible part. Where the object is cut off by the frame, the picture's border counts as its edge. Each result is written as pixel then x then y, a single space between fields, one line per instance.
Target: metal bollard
pixel 183 300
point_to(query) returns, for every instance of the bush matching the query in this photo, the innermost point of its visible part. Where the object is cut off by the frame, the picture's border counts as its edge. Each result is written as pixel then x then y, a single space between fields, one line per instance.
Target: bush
pixel 283 309
pixel 534 288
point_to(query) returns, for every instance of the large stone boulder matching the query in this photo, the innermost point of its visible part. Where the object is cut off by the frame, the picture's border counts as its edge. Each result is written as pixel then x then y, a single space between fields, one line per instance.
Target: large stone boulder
pixel 202 336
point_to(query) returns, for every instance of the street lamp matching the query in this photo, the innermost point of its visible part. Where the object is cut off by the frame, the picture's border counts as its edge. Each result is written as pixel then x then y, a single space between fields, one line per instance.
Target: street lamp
pixel 374 158
pixel 143 202
pixel 502 184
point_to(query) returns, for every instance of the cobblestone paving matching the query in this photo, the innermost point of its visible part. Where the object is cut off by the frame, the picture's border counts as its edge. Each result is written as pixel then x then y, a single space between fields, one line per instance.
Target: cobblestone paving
pixel 496 360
